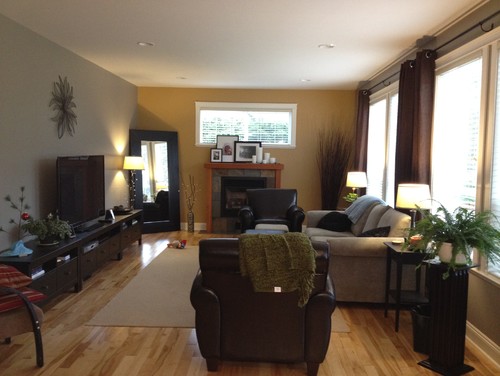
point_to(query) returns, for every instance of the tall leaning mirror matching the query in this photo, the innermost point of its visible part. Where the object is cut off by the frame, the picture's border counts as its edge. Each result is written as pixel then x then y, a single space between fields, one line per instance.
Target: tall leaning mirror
pixel 157 186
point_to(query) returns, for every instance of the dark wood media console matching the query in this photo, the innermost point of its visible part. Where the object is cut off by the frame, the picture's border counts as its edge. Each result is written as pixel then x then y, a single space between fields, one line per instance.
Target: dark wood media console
pixel 68 263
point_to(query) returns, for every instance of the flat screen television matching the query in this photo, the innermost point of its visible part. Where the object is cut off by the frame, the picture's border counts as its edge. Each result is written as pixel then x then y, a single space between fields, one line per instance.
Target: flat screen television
pixel 80 189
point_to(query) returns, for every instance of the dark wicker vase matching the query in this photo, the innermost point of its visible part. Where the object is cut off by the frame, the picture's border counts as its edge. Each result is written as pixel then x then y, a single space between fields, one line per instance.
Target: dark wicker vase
pixel 190 221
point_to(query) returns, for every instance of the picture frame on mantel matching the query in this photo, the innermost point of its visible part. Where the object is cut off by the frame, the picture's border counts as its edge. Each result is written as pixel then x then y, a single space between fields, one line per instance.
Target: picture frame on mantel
pixel 227 144
pixel 244 150
pixel 215 155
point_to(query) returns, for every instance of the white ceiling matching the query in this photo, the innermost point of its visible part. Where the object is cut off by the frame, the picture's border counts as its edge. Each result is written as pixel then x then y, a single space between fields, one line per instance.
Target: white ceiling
pixel 238 43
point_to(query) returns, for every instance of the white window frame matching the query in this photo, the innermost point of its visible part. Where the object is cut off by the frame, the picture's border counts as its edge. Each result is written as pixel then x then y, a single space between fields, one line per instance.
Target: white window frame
pixel 265 107
pixel 388 180
pixel 487 45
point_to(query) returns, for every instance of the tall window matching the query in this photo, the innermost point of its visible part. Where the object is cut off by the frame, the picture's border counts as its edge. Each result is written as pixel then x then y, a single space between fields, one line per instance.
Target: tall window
pixel 382 145
pixel 466 135
pixel 456 134
pixel 272 124
pixel 494 268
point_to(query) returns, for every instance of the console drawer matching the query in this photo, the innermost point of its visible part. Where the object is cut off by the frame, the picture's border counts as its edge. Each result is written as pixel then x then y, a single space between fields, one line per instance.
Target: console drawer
pixel 89 263
pixel 130 235
pixel 46 284
pixel 67 275
pixel 102 254
pixel 113 245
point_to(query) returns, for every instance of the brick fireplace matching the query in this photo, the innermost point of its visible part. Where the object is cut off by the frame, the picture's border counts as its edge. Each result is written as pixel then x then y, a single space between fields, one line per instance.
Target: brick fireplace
pixel 254 175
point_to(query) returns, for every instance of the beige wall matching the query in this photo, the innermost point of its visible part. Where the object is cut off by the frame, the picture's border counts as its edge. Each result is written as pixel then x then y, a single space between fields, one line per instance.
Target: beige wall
pixel 29 146
pixel 173 109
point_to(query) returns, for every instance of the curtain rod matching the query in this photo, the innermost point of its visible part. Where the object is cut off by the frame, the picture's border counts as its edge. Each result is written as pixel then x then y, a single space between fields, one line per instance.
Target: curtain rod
pixel 479 24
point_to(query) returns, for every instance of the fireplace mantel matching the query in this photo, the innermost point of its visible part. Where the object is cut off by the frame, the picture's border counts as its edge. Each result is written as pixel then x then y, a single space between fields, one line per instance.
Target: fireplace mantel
pixel 240 168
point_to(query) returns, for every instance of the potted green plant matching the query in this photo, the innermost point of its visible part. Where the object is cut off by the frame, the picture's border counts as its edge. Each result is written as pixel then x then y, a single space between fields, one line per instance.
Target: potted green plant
pixel 49 230
pixel 452 236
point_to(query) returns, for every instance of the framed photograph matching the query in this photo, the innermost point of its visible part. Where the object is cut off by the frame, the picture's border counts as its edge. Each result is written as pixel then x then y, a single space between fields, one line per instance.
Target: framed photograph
pixel 244 150
pixel 226 144
pixel 215 155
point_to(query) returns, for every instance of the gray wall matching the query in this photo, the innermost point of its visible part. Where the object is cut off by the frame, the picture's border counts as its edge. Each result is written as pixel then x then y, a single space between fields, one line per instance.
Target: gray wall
pixel 29 145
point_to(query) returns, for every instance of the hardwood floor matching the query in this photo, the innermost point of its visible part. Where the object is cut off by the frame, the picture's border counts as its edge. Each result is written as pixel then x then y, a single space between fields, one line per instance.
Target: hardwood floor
pixel 72 348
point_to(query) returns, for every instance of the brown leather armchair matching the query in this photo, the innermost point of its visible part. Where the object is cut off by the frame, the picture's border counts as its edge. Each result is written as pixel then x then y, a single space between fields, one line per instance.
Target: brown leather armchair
pixel 157 211
pixel 235 323
pixel 271 206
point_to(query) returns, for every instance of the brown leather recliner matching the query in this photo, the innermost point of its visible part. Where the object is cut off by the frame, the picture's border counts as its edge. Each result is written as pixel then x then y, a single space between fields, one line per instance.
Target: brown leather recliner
pixel 271 206
pixel 235 323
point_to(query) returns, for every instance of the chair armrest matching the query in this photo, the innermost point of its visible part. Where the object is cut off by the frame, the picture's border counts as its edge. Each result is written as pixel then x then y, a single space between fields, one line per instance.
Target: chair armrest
pixel 35 321
pixel 318 323
pixel 246 218
pixel 208 322
pixel 295 214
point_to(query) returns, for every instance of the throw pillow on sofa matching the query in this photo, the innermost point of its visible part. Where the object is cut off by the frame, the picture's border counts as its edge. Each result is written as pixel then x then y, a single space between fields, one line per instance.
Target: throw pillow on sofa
pixel 379 232
pixel 335 221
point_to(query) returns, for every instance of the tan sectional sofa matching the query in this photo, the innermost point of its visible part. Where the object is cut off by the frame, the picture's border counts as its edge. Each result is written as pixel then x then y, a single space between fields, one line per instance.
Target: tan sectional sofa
pixel 358 260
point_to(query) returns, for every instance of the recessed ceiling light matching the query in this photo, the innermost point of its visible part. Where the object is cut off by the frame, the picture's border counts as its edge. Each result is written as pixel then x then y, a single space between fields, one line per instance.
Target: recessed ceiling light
pixel 181 78
pixel 326 45
pixel 305 80
pixel 145 44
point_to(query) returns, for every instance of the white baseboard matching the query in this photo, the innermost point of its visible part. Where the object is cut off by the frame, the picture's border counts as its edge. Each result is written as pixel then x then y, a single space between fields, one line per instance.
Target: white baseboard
pixel 480 342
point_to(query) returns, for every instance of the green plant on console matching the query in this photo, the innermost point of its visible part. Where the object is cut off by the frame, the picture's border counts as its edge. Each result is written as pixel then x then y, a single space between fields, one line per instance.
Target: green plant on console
pixel 50 227
pixel 465 229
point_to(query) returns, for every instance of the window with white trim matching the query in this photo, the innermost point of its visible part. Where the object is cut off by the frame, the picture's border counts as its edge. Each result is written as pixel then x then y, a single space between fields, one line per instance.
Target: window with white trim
pixel 455 150
pixel 273 124
pixel 466 134
pixel 381 152
pixel 494 267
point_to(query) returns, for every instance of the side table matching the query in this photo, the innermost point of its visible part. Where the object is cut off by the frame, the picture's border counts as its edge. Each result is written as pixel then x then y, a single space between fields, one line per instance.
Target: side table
pixel 400 257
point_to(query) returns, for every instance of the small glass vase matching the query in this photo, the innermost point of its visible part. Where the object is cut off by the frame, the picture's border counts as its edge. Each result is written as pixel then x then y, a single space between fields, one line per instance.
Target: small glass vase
pixel 190 221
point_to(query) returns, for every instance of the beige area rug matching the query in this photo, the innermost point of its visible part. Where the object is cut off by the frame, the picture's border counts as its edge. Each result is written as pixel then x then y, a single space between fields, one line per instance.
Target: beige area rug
pixel 159 295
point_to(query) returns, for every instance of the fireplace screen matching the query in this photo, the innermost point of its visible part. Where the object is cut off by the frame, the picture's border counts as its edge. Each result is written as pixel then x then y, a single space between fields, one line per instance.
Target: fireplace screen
pixel 233 193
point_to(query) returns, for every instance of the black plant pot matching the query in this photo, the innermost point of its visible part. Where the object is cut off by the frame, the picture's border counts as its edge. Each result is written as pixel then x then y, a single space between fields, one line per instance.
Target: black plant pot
pixel 49 240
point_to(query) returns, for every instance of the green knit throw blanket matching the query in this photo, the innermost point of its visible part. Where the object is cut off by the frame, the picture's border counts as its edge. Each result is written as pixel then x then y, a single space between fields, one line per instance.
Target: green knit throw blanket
pixel 287 261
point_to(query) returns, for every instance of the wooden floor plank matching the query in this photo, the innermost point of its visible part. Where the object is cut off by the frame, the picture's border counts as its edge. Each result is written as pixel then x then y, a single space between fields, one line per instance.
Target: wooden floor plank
pixel 372 347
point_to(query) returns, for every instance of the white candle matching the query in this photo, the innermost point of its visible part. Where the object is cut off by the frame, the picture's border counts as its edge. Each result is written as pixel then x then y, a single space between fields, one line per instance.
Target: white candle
pixel 259 154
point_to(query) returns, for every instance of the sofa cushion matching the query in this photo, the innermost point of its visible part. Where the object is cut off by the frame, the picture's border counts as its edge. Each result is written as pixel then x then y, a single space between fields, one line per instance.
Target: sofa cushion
pixel 374 218
pixel 357 228
pixel 378 232
pixel 399 222
pixel 335 221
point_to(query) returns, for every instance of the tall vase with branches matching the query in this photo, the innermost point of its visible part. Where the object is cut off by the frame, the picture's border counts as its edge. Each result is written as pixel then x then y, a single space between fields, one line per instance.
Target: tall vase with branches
pixel 333 156
pixel 21 208
pixel 190 191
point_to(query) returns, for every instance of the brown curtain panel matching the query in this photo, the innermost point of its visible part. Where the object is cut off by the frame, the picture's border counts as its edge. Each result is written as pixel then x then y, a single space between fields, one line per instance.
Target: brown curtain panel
pixel 361 152
pixel 414 128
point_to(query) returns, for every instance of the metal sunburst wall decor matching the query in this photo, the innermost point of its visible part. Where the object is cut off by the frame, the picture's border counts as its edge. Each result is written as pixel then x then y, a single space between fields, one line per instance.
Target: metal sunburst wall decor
pixel 62 102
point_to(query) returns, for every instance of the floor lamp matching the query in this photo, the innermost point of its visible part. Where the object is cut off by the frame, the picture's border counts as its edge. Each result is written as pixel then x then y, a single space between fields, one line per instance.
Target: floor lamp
pixel 411 196
pixel 132 164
